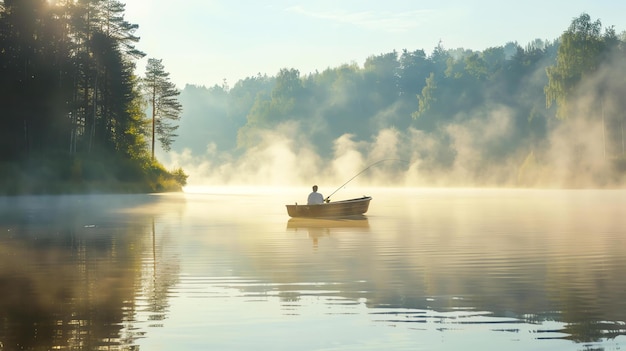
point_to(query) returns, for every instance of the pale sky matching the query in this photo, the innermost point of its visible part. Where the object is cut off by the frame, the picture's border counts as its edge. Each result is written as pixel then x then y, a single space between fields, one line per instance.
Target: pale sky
pixel 203 42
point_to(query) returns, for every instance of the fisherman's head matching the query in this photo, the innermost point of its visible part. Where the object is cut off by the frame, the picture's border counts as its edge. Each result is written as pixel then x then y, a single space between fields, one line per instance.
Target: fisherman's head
pixel 314 187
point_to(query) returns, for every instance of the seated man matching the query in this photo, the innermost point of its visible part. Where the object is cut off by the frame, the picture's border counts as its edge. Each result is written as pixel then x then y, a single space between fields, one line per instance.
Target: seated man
pixel 315 198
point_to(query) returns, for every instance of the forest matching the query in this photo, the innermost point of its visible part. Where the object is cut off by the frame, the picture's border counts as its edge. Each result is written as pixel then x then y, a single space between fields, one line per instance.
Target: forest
pixel 72 111
pixel 76 117
pixel 546 114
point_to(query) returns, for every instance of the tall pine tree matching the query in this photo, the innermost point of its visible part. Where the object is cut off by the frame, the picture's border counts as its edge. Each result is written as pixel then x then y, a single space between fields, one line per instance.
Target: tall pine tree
pixel 162 97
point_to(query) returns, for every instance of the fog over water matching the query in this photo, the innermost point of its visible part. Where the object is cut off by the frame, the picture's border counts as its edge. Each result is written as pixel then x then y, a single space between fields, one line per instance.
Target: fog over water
pixel 572 158
pixel 226 268
pixel 487 146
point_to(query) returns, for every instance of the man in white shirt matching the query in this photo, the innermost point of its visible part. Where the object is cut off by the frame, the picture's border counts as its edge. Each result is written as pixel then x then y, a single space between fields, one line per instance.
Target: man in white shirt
pixel 315 198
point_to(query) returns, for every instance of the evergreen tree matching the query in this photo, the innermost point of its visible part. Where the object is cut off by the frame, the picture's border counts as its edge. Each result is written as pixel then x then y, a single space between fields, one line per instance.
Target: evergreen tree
pixel 162 97
pixel 70 104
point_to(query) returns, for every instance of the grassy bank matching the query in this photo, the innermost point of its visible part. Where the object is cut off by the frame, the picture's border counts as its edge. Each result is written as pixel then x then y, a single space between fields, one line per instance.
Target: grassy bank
pixel 80 174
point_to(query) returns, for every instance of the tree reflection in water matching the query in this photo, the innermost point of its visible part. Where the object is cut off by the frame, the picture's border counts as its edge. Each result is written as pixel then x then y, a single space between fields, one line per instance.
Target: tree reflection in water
pixel 70 267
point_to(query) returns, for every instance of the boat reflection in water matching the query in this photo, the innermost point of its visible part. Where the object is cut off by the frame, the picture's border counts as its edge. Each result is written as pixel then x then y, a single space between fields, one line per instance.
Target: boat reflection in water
pixel 317 228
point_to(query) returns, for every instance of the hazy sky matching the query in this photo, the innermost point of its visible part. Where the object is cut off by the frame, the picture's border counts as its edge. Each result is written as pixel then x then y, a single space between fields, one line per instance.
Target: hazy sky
pixel 205 41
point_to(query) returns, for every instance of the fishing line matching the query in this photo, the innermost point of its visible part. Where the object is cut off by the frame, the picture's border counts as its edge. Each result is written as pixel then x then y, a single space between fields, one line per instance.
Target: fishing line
pixel 368 167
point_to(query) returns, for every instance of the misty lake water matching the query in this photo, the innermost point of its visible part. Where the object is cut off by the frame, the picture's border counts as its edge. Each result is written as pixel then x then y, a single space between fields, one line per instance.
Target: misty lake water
pixel 227 269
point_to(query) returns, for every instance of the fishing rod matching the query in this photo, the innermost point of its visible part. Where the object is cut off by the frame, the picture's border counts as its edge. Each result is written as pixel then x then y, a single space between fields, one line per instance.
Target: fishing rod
pixel 368 167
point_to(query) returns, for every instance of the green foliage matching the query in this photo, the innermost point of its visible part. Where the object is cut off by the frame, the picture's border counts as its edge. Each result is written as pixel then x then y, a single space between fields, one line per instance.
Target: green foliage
pixel 578 56
pixel 72 116
pixel 287 88
pixel 386 92
pixel 179 176
pixel 427 98
pixel 414 68
pixel 498 94
pixel 476 67
pixel 160 180
pixel 73 111
pixel 162 98
pixel 274 107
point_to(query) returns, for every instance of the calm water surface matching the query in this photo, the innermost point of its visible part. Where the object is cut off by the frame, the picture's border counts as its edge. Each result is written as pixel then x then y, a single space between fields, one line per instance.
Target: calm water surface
pixel 227 269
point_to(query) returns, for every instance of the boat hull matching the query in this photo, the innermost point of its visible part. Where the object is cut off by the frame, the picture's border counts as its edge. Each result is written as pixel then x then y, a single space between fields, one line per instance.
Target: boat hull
pixel 344 208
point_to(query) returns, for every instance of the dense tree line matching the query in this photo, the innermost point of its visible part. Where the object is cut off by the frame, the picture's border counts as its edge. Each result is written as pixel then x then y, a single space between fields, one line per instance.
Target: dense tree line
pixel 70 104
pixel 72 110
pixel 534 84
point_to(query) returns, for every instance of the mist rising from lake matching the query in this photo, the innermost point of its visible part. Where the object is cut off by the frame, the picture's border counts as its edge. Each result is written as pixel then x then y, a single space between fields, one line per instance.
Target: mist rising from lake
pixel 226 268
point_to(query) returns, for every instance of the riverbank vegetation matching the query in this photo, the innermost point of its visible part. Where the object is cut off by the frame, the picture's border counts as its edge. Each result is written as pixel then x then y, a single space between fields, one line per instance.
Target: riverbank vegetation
pixel 72 112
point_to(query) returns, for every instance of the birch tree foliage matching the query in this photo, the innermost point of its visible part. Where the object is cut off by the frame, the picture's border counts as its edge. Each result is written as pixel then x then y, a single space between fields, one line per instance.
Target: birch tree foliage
pixel 578 56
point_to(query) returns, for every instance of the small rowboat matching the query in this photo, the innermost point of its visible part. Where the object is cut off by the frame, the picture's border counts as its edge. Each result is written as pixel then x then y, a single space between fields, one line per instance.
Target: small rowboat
pixel 344 208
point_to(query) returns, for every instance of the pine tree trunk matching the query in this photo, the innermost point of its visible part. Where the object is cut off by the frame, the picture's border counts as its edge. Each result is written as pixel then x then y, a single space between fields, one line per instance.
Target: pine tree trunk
pixel 153 117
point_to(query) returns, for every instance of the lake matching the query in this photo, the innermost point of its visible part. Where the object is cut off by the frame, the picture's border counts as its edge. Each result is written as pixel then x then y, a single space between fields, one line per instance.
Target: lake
pixel 227 269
